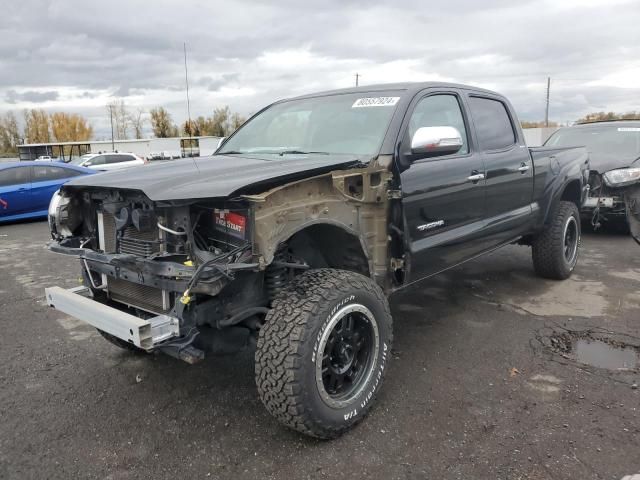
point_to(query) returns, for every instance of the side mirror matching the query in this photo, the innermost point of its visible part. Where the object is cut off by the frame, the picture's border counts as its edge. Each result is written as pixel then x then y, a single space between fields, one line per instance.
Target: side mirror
pixel 435 141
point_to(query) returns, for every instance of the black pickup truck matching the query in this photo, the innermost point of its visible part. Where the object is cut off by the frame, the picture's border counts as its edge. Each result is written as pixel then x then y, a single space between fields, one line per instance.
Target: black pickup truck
pixel 293 234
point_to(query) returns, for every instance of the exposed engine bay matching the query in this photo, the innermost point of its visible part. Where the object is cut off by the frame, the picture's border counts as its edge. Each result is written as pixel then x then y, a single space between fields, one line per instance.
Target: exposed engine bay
pixel 216 264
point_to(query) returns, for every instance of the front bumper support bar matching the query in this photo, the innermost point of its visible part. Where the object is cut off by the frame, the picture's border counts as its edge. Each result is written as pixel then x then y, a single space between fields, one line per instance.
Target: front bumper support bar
pixel 145 334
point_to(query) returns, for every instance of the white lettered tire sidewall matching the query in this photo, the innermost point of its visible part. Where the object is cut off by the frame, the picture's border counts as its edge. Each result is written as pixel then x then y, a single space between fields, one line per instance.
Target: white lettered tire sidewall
pixel 287 350
pixel 340 413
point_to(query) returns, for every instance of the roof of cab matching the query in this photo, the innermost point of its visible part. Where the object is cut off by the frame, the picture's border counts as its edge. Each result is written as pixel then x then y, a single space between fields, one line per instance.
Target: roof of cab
pixel 410 87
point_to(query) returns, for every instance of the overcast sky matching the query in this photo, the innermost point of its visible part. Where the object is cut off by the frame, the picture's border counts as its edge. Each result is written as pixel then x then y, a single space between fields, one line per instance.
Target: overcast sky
pixel 76 55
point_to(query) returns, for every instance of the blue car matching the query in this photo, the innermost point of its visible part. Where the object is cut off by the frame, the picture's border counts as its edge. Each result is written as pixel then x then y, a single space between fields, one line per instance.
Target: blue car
pixel 27 187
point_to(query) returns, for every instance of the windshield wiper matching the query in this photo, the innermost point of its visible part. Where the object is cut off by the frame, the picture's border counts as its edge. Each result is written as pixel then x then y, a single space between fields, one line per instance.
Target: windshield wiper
pixel 230 152
pixel 300 152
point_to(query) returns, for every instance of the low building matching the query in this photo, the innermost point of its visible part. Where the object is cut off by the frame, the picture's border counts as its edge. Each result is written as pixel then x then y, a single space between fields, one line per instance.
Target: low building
pixel 173 147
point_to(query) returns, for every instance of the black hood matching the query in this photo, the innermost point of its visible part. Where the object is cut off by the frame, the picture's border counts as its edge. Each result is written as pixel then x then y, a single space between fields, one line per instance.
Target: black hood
pixel 603 162
pixel 213 177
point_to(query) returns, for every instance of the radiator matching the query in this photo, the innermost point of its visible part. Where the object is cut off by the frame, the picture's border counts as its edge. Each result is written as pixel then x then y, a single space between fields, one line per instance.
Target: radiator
pixel 140 244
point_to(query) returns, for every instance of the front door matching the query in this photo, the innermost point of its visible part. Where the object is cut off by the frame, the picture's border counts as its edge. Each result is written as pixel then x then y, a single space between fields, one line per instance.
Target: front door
pixel 443 197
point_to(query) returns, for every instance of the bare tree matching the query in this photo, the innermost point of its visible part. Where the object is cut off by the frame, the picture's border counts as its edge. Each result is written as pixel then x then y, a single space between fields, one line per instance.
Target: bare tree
pixel 137 121
pixel 121 119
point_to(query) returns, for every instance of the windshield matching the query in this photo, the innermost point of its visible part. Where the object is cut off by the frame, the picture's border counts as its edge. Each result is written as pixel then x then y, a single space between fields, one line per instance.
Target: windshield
pixel 335 124
pixel 622 142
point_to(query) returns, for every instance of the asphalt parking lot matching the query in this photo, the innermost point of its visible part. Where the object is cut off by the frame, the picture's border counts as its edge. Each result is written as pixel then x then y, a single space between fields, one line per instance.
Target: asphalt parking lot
pixel 493 376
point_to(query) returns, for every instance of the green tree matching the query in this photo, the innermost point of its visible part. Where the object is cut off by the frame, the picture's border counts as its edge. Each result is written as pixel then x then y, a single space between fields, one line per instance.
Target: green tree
pixel 162 124
pixel 37 128
pixel 540 124
pixel 604 116
pixel 70 127
pixel 9 134
pixel 191 128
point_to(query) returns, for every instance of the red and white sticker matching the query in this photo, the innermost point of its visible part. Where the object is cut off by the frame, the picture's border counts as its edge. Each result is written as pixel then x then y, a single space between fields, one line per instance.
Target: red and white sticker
pixel 230 222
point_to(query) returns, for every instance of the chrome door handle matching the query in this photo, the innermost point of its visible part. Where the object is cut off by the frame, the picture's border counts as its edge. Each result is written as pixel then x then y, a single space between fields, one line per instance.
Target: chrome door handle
pixel 523 168
pixel 476 177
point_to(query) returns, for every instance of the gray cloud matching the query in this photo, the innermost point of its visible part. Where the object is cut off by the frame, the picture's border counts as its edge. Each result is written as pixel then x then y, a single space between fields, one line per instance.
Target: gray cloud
pixel 13 97
pixel 248 53
pixel 225 79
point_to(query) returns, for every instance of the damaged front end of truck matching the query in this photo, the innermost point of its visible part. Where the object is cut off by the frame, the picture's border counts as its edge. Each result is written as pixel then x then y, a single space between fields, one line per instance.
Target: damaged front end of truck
pixel 188 276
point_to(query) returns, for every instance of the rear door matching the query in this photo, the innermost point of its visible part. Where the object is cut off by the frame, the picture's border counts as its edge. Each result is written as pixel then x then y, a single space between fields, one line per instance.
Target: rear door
pixel 443 197
pixel 45 180
pixel 509 169
pixel 15 185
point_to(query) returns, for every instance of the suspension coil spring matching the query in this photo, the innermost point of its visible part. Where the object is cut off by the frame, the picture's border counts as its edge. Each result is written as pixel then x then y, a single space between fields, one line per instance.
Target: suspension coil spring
pixel 276 276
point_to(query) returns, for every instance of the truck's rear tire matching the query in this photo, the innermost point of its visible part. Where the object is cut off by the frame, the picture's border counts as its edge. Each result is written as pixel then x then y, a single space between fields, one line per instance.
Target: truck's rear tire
pixel 555 250
pixel 322 352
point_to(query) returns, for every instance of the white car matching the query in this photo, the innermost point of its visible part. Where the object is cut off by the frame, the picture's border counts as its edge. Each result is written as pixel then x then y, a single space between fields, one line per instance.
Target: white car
pixel 46 158
pixel 109 161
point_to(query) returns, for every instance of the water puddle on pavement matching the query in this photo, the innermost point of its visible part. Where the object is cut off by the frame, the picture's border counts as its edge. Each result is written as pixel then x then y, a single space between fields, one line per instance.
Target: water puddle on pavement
pixel 596 348
pixel 603 355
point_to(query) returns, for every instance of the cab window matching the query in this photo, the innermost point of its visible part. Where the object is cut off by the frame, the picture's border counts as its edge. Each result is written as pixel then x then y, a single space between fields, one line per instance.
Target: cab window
pixel 14 176
pixel 46 174
pixel 441 110
pixel 493 125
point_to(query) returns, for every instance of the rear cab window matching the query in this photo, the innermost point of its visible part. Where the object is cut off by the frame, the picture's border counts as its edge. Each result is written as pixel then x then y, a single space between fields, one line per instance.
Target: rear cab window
pixel 493 124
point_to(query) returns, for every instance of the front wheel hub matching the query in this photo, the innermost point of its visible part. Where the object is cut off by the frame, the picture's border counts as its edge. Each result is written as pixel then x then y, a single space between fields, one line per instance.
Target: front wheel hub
pixel 348 349
pixel 571 240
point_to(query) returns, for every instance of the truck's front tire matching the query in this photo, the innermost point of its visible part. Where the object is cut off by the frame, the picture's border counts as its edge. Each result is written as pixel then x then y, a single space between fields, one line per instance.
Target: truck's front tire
pixel 323 350
pixel 555 249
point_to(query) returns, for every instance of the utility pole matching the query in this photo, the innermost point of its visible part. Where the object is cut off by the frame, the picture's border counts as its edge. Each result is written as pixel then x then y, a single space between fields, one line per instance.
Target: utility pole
pixel 546 114
pixel 357 78
pixel 186 81
pixel 113 148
